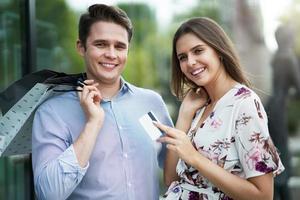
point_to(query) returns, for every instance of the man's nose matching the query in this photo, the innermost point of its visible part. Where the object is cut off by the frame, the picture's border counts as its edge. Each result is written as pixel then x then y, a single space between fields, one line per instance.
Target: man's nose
pixel 111 53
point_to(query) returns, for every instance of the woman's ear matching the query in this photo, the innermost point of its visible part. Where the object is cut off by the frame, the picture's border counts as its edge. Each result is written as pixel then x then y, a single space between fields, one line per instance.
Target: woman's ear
pixel 80 47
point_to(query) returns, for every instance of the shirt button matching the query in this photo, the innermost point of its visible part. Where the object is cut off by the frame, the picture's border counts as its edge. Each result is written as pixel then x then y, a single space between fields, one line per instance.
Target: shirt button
pixel 129 184
pixel 125 155
pixel 120 127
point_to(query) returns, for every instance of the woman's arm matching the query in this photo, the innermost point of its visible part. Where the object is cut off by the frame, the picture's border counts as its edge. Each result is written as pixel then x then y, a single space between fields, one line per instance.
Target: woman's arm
pixel 260 187
pixel 170 175
pixel 191 103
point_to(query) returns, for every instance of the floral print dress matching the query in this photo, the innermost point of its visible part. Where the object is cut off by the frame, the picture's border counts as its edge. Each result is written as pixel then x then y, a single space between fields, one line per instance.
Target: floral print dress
pixel 235 136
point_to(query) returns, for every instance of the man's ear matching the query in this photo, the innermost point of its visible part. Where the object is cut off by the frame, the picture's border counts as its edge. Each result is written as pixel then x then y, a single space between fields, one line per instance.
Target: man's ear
pixel 80 47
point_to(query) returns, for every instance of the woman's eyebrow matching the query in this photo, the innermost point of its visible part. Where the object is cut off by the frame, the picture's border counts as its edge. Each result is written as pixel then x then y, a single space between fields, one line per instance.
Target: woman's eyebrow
pixel 193 48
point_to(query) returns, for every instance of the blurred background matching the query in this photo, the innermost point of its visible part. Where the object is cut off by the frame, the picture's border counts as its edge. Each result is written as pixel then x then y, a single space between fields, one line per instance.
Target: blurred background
pixel 40 34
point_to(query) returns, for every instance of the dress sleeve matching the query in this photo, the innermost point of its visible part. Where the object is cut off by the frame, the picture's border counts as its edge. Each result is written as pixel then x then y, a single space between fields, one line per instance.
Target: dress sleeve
pixel 256 151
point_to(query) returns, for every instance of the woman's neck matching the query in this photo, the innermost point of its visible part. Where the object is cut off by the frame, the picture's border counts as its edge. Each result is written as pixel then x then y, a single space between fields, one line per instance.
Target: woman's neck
pixel 219 87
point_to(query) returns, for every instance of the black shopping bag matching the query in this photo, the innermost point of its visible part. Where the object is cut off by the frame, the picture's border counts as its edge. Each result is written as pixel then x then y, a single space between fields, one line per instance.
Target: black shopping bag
pixel 19 102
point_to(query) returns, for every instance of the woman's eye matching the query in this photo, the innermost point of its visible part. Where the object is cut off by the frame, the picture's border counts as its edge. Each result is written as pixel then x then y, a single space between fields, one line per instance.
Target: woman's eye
pixel 182 58
pixel 198 51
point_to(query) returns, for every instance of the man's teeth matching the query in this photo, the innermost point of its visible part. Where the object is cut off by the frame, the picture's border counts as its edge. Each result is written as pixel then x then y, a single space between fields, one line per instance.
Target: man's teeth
pixel 108 65
pixel 197 71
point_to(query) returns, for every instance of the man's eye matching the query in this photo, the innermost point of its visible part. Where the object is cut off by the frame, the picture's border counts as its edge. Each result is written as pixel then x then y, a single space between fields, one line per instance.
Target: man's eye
pixel 120 47
pixel 100 44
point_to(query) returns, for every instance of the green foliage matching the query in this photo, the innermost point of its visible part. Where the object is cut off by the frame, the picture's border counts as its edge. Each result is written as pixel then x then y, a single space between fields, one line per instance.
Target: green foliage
pixel 210 9
pixel 141 66
pixel 142 18
pixel 140 69
pixel 204 8
pixel 57 34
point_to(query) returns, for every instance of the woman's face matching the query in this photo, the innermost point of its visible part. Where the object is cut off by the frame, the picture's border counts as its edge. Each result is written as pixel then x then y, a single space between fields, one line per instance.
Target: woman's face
pixel 199 62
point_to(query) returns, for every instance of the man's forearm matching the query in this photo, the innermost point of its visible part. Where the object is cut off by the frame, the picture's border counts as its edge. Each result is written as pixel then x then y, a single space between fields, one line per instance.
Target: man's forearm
pixel 85 143
pixel 59 178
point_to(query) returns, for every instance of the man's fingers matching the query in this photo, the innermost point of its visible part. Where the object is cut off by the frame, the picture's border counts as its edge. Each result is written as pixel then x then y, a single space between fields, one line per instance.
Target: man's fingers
pixel 88 81
pixel 90 92
pixel 93 96
pixel 84 93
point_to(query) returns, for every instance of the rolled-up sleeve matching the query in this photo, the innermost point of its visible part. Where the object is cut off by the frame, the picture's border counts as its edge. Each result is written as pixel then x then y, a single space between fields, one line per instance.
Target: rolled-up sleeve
pixel 59 178
pixel 55 166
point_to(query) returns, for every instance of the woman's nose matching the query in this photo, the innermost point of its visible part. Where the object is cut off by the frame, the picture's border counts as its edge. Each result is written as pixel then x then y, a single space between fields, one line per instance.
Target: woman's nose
pixel 191 61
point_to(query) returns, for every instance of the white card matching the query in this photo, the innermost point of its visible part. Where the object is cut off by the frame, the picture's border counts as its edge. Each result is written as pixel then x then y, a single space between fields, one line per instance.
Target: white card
pixel 147 122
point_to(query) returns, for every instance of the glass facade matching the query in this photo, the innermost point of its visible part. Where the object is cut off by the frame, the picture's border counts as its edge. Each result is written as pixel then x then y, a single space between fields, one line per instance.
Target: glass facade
pixel 10 45
pixel 34 35
pixel 15 171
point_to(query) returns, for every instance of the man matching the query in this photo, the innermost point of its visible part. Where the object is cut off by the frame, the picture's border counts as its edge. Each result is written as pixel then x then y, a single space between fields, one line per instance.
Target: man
pixel 90 144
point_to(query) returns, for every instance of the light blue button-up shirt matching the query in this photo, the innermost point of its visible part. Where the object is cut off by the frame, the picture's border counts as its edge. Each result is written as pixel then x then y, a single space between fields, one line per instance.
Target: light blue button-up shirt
pixel 125 161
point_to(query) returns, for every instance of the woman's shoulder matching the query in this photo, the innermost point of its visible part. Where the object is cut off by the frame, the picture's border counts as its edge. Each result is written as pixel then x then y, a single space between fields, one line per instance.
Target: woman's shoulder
pixel 247 102
pixel 244 94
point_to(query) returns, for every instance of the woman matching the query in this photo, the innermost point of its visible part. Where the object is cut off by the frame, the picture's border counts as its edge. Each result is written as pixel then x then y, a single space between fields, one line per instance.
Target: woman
pixel 222 149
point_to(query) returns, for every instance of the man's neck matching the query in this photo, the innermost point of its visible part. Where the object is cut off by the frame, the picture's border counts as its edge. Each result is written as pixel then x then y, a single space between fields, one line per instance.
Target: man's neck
pixel 108 91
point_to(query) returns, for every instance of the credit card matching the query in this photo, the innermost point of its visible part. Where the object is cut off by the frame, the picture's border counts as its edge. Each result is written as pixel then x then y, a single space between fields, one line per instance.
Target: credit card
pixel 150 128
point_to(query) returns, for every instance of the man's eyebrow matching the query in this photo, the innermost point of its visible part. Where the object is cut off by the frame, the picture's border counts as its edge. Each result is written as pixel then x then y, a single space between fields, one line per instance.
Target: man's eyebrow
pixel 103 41
pixel 121 43
pixel 106 42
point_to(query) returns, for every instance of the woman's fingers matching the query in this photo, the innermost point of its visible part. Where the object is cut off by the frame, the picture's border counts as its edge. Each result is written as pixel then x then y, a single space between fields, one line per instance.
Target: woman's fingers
pixel 168 140
pixel 173 132
pixel 171 147
pixel 162 127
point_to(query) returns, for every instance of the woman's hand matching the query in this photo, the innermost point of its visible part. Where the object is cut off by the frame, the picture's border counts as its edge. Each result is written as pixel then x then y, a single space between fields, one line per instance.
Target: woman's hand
pixel 178 142
pixel 193 101
pixel 90 98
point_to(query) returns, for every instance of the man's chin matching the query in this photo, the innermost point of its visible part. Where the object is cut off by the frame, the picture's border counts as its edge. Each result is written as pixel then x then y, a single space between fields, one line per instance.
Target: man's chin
pixel 108 80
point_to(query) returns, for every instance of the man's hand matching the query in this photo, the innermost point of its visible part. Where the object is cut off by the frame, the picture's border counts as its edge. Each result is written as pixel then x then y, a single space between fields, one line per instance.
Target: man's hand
pixel 90 98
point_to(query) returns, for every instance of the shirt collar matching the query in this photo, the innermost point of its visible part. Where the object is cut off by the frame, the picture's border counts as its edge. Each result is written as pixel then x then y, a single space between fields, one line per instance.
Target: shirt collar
pixel 125 86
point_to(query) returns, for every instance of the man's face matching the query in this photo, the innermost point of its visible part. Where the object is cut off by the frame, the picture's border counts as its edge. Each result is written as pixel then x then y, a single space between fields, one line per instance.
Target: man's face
pixel 105 52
